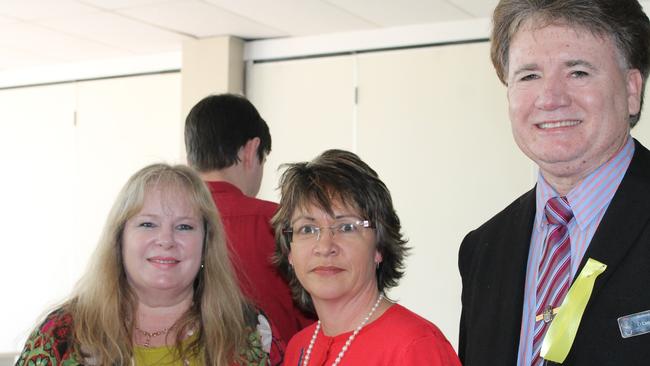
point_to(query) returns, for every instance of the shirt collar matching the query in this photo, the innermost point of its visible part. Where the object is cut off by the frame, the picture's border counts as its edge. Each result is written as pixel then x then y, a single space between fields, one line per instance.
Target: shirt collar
pixel 223 187
pixel 586 210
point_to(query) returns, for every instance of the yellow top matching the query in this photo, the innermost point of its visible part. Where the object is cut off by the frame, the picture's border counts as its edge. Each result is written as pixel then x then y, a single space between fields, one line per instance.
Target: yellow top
pixel 164 355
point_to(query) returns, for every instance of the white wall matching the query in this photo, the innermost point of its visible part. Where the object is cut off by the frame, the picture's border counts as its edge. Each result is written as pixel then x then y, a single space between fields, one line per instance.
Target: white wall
pixel 66 150
pixel 440 138
pixel 37 194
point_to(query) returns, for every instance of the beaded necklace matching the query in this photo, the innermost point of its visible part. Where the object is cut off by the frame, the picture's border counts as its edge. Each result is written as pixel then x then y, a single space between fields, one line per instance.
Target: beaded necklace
pixel 185 360
pixel 348 342
pixel 149 335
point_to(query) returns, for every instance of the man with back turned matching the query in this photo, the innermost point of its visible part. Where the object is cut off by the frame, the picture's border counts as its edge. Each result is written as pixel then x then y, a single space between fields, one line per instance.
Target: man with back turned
pixel 227 142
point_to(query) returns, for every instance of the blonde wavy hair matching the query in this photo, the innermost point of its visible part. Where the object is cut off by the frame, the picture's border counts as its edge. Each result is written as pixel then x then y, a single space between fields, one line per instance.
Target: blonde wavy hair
pixel 103 305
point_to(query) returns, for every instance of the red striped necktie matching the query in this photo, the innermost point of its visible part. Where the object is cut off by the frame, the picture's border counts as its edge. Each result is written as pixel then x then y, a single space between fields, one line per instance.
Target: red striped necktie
pixel 554 274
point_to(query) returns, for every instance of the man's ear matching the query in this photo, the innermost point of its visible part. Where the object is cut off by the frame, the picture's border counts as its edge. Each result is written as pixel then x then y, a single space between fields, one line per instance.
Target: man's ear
pixel 249 152
pixel 634 90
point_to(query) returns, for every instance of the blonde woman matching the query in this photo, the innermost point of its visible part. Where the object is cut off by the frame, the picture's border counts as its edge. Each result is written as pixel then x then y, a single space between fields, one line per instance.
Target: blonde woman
pixel 160 289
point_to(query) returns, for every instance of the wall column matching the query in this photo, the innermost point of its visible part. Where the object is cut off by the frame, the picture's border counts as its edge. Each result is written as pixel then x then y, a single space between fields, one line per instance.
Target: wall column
pixel 210 66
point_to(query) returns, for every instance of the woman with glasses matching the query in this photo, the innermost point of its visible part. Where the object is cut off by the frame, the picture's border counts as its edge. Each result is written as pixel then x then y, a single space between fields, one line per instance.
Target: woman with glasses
pixel 339 243
pixel 160 289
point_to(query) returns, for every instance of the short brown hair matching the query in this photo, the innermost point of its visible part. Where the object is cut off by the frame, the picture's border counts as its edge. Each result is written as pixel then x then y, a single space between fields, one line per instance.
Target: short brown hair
pixel 338 175
pixel 622 20
pixel 218 126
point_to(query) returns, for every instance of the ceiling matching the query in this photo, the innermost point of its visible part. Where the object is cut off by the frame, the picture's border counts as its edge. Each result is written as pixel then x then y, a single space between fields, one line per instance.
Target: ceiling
pixel 40 38
pixel 46 32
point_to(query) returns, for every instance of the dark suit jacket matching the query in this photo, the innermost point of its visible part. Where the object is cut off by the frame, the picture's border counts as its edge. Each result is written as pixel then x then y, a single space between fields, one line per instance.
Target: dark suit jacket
pixel 492 263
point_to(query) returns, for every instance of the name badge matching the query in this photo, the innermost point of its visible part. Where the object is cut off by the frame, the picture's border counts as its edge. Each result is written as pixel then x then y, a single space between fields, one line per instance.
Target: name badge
pixel 634 324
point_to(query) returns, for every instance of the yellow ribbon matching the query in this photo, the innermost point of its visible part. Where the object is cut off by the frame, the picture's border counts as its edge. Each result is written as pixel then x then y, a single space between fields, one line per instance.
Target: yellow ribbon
pixel 562 331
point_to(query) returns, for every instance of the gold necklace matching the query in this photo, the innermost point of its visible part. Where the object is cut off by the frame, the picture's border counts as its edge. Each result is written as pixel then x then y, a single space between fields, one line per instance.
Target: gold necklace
pixel 149 335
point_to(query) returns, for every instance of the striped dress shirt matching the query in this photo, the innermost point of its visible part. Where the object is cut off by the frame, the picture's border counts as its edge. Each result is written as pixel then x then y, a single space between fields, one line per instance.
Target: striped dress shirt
pixel 589 201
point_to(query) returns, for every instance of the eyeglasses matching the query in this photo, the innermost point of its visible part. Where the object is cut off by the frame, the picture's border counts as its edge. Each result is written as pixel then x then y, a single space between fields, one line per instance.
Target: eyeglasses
pixel 348 231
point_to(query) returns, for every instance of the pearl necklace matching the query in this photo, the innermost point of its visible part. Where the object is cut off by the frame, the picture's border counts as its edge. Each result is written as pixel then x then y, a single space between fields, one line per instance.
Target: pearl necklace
pixel 348 342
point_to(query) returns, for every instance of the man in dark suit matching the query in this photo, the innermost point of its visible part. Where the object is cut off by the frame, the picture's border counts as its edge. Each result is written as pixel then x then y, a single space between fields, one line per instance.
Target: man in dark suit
pixel 575 72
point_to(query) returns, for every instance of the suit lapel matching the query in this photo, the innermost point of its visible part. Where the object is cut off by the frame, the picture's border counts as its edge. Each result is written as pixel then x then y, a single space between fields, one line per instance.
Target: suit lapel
pixel 521 233
pixel 513 275
pixel 626 216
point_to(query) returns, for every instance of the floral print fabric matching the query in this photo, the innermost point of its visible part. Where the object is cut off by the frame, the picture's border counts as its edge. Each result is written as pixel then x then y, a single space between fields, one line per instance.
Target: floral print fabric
pixel 51 345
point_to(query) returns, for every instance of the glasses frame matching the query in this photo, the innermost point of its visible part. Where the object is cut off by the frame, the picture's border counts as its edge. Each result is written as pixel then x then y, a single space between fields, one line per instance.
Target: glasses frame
pixel 288 231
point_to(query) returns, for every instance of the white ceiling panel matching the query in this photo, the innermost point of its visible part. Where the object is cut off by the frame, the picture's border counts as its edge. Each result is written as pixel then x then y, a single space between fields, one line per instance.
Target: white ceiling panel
pixel 42 9
pixel 7 20
pixel 390 13
pixel 14 58
pixel 297 17
pixel 119 32
pixel 200 19
pixel 477 8
pixel 55 31
pixel 46 43
pixel 121 4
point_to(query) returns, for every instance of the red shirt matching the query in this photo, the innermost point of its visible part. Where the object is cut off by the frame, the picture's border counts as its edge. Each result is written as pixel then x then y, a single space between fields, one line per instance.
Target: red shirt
pixel 398 337
pixel 246 221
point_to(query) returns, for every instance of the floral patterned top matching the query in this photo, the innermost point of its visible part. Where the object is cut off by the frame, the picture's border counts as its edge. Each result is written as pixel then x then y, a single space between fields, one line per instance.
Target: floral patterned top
pixel 51 344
